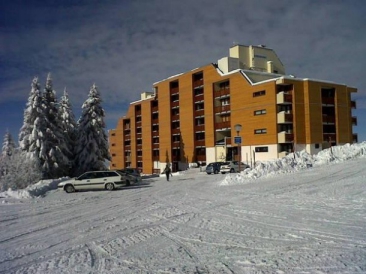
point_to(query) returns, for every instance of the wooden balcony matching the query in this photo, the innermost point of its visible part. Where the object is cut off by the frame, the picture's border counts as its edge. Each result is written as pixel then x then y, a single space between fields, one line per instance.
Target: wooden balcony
pixel 221 109
pixel 175 117
pixel 199 128
pixel 353 104
pixel 174 91
pixel 222 93
pixel 198 98
pixel 199 143
pixel 284 117
pixel 354 121
pixel 328 119
pixel 285 137
pixel 174 104
pixel 198 83
pixel 223 125
pixel 155 145
pixel 201 158
pixel 284 98
pixel 199 112
pixel 155 109
pixel 328 100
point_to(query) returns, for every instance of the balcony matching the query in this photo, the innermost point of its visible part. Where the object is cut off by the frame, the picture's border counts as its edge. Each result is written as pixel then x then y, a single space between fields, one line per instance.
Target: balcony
pixel 176 131
pixel 174 91
pixel 285 137
pixel 329 137
pixel 284 117
pixel 222 109
pixel 328 119
pixel 201 158
pixel 174 104
pixel 198 83
pixel 175 117
pixel 155 134
pixel 199 143
pixel 353 104
pixel 223 125
pixel 138 124
pixel 199 112
pixel 155 109
pixel 222 93
pixel 198 98
pixel 127 147
pixel 155 145
pixel 284 98
pixel 199 128
pixel 328 100
pixel 354 121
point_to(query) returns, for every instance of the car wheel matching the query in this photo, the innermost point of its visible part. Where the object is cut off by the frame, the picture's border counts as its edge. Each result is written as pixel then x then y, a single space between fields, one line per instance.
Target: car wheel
pixel 69 189
pixel 222 172
pixel 216 171
pixel 232 170
pixel 109 186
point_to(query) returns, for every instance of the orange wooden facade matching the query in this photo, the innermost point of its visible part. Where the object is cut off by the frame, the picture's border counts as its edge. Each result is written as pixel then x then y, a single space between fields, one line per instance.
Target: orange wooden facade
pixel 190 112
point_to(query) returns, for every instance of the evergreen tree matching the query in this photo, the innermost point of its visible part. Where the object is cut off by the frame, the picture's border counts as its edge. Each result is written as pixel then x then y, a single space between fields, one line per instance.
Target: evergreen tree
pixel 8 145
pixel 30 134
pixel 69 128
pixel 54 162
pixel 92 149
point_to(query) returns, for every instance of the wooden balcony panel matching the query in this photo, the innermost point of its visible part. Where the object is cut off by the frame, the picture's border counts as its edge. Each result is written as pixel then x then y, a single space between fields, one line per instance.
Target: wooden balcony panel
pixel 174 90
pixel 176 131
pixel 155 145
pixel 199 128
pixel 328 119
pixel 328 100
pixel 155 121
pixel 221 109
pixel 176 158
pixel 155 133
pixel 198 83
pixel 199 143
pixel 221 125
pixel 175 117
pixel 154 109
pixel 138 113
pixel 222 92
pixel 353 104
pixel 354 121
pixel 174 104
pixel 199 112
pixel 198 98
pixel 201 158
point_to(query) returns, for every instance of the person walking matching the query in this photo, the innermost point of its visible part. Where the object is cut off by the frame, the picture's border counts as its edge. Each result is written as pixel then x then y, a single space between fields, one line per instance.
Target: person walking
pixel 167 171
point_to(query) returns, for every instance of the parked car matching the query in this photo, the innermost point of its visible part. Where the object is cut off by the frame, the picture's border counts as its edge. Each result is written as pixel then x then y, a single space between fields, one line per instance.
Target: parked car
pixel 132 172
pixel 214 167
pixel 233 166
pixel 108 180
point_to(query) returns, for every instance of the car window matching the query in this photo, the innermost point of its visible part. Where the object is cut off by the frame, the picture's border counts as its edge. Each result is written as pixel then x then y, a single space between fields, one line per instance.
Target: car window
pixel 88 175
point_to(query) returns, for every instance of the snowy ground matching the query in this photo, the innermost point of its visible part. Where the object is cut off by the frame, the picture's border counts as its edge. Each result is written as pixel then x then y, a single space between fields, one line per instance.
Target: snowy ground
pixel 302 216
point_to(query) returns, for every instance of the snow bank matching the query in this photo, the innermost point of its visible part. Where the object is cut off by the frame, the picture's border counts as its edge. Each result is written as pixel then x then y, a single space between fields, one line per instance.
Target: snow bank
pixel 298 161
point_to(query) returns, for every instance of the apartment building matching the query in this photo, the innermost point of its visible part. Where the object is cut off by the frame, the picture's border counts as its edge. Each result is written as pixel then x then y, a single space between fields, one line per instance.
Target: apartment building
pixel 192 117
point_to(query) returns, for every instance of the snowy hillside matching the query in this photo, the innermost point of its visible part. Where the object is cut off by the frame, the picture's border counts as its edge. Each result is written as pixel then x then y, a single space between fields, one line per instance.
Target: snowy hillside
pixel 300 214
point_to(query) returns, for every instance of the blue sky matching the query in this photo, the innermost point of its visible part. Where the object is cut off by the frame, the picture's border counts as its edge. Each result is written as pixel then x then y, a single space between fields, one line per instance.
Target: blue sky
pixel 125 46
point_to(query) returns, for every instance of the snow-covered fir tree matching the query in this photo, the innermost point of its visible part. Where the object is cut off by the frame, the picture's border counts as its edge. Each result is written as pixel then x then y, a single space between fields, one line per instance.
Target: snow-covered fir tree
pixel 54 149
pixel 22 170
pixel 69 127
pixel 8 145
pixel 92 149
pixel 30 134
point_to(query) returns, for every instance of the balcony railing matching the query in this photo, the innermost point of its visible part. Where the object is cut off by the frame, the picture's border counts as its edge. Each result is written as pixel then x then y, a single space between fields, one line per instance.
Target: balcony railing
pixel 354 121
pixel 155 145
pixel 285 137
pixel 328 100
pixel 284 98
pixel 329 137
pixel 154 109
pixel 222 125
pixel 284 117
pixel 222 92
pixel 199 112
pixel 199 128
pixel 221 109
pixel 353 104
pixel 201 158
pixel 175 104
pixel 175 117
pixel 175 131
pixel 198 98
pixel 328 119
pixel 199 143
pixel 174 90
pixel 197 83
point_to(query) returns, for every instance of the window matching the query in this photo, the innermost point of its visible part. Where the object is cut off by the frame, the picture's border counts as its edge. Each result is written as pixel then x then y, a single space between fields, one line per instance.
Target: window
pixel 139 153
pixel 138 119
pixel 260 131
pixel 114 154
pixel 200 136
pixel 260 112
pixel 113 145
pixel 113 134
pixel 156 140
pixel 261 149
pixel 317 146
pixel 139 141
pixel 259 93
pixel 155 152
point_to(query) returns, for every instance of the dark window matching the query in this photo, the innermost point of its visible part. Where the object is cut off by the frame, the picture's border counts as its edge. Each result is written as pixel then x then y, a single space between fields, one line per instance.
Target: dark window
pixel 259 93
pixel 261 149
pixel 260 112
pixel 260 131
pixel 317 146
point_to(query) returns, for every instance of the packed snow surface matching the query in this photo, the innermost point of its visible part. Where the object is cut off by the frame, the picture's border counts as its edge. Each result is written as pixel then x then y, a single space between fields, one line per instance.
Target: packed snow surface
pixel 299 214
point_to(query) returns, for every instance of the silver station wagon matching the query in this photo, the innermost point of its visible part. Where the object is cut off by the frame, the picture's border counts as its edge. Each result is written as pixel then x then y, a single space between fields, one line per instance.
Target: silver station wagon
pixel 108 180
